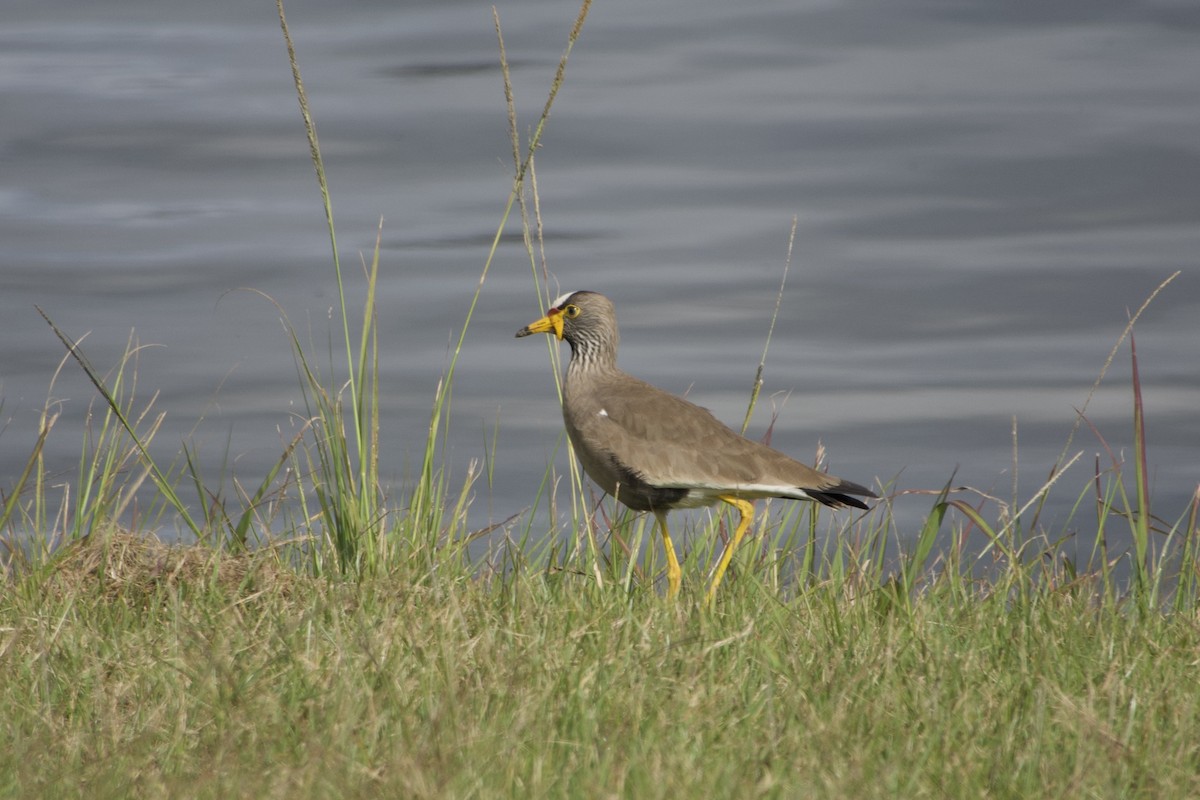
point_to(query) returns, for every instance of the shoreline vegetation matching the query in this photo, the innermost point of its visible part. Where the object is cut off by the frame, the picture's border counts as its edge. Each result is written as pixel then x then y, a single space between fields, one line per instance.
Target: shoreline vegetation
pixel 364 652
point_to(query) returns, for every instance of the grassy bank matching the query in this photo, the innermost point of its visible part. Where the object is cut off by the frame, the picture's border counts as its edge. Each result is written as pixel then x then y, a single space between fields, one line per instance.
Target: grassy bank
pixel 326 637
pixel 166 673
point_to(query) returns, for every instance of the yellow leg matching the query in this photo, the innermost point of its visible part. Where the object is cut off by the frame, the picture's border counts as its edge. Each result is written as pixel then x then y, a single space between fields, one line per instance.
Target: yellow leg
pixel 746 510
pixel 674 573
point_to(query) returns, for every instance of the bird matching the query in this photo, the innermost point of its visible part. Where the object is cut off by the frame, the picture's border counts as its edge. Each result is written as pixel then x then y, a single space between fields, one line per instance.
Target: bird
pixel 654 451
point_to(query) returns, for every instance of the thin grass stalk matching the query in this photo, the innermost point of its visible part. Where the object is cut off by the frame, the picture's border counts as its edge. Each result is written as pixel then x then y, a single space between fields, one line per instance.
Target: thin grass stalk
pixel 913 564
pixel 1104 501
pixel 834 565
pixel 40 519
pixel 368 373
pixel 1159 562
pixel 102 495
pixel 1141 519
pixel 451 540
pixel 314 147
pixel 997 539
pixel 525 168
pixel 725 515
pixel 31 464
pixel 96 464
pixel 207 502
pixel 630 572
pixel 762 362
pixel 800 552
pixel 370 500
pixel 953 572
pixel 534 143
pixel 1112 354
pixel 128 495
pixel 351 502
pixel 1185 591
pixel 166 490
pixel 1107 504
pixel 877 541
pixel 583 512
pixel 341 508
pixel 240 528
pixel 811 565
pixel 1015 500
pixel 424 491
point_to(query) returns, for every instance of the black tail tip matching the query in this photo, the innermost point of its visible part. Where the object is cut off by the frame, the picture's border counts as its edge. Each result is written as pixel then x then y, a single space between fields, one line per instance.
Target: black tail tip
pixel 839 499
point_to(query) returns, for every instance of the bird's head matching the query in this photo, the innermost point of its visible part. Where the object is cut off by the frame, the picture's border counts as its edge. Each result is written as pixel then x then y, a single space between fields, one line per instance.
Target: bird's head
pixel 577 317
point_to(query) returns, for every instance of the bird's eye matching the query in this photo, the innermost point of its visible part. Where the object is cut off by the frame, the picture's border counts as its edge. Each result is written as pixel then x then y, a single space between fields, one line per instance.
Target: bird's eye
pixel 571 312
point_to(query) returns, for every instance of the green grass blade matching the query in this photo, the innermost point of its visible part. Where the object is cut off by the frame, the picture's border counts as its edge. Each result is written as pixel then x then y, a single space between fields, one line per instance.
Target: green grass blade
pixel 1141 517
pixel 160 479
pixel 14 494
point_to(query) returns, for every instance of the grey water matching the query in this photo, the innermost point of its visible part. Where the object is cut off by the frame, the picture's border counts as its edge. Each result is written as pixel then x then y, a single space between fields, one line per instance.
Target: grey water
pixel 983 193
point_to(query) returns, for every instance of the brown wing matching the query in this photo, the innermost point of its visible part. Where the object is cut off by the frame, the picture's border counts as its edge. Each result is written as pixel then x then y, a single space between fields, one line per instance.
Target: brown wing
pixel 671 442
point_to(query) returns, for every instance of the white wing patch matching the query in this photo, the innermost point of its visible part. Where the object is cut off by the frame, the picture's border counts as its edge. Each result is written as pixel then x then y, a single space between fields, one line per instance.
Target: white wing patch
pixel 602 413
pixel 705 494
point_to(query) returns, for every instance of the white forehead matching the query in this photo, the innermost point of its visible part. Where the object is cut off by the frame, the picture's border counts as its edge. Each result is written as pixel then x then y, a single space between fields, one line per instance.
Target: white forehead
pixel 561 299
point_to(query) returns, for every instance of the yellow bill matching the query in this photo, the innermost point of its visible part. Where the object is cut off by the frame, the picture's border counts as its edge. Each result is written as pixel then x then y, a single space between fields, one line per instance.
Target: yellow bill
pixel 551 323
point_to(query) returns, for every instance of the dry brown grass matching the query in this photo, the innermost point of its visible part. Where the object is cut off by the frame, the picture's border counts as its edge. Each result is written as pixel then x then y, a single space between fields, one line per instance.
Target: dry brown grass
pixel 124 565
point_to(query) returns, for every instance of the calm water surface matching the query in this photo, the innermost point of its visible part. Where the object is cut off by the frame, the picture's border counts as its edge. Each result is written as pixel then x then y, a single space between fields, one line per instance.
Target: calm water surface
pixel 983 194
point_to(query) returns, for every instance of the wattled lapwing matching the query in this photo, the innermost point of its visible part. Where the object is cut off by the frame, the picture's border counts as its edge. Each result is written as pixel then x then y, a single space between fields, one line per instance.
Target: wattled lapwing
pixel 654 451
